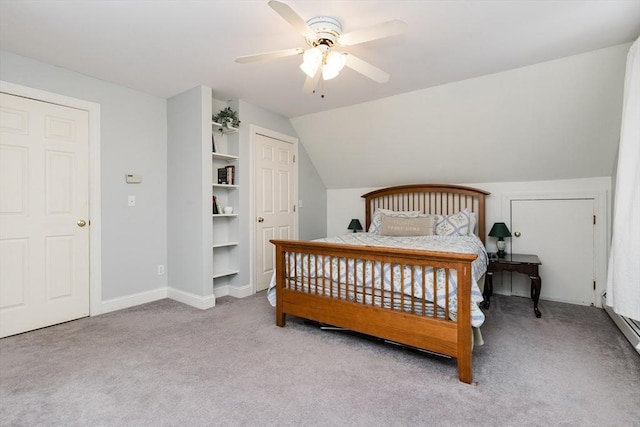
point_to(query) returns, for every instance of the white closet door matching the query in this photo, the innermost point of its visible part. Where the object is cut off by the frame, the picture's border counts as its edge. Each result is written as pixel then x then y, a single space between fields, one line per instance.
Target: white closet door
pixel 275 198
pixel 561 233
pixel 44 207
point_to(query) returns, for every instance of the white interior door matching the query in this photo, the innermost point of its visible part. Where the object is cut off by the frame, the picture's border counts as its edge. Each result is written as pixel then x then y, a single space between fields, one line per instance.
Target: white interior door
pixel 275 194
pixel 561 233
pixel 44 211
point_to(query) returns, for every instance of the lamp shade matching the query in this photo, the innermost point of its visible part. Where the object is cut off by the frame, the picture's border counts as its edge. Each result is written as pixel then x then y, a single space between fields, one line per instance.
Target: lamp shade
pixel 499 230
pixel 355 225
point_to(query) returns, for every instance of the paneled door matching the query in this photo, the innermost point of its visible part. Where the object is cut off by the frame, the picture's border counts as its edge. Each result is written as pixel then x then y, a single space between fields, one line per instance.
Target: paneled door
pixel 44 211
pixel 275 194
pixel 561 233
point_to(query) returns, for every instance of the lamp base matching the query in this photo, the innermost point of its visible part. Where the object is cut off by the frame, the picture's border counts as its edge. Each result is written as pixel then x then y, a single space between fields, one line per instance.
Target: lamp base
pixel 501 245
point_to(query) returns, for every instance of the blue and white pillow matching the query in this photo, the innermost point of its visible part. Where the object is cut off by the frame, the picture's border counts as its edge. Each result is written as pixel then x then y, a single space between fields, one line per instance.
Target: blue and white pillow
pixel 457 224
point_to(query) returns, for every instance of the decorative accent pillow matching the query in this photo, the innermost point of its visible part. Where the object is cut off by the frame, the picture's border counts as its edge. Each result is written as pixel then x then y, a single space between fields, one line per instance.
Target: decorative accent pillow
pixel 379 213
pixel 397 226
pixel 457 224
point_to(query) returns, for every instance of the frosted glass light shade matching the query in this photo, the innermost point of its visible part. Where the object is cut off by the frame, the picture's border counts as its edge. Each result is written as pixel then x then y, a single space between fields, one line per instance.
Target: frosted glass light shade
pixel 311 60
pixel 333 65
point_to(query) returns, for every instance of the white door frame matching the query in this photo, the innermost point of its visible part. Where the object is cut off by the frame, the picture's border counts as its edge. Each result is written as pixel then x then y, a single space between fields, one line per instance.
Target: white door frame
pixel 95 257
pixel 601 231
pixel 257 130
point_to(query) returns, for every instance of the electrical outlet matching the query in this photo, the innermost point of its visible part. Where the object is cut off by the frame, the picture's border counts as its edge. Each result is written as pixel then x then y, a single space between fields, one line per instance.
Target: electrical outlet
pixel 160 270
pixel 131 201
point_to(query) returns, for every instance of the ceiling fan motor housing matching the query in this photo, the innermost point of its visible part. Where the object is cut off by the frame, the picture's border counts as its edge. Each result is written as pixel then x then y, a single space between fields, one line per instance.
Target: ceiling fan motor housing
pixel 327 31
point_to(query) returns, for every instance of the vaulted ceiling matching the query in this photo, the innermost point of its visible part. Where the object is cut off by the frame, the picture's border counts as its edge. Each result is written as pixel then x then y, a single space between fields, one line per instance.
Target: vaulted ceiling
pixel 166 47
pixel 470 98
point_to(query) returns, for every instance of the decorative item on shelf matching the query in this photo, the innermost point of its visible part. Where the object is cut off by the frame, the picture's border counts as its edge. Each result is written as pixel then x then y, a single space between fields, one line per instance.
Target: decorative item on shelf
pixel 231 175
pixel 227 118
pixel 215 205
pixel 222 175
pixel 500 231
pixel 226 175
pixel 355 225
pixel 228 210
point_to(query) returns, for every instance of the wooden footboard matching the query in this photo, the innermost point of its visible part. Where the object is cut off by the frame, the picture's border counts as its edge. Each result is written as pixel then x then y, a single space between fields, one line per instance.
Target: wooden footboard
pixel 319 281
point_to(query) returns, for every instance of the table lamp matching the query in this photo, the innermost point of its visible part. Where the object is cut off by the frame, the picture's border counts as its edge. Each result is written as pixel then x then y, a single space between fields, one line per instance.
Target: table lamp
pixel 500 231
pixel 355 225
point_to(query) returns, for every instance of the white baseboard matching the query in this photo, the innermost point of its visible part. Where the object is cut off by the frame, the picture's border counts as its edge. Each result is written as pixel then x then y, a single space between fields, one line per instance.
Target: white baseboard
pixel 233 291
pixel 132 300
pixel 197 301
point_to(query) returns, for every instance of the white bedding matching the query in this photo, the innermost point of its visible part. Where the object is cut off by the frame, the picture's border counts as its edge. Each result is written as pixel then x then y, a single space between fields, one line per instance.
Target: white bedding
pixel 402 279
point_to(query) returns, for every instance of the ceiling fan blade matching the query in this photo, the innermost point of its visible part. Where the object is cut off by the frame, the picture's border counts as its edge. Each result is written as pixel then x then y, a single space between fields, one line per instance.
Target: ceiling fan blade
pixel 269 55
pixel 311 83
pixel 366 69
pixel 289 15
pixel 380 31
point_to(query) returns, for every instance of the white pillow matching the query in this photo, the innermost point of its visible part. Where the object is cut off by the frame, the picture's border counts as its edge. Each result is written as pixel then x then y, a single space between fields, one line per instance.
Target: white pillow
pixel 397 226
pixel 457 224
pixel 377 217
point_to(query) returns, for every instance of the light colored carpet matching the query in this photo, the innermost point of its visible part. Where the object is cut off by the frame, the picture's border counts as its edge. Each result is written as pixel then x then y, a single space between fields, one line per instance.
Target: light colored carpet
pixel 167 364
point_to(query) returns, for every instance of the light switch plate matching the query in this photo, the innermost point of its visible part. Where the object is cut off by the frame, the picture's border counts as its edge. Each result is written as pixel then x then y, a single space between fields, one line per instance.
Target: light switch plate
pixel 133 178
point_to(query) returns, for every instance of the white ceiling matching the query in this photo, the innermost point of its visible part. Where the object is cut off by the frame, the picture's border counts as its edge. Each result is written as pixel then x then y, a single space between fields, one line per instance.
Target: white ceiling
pixel 165 47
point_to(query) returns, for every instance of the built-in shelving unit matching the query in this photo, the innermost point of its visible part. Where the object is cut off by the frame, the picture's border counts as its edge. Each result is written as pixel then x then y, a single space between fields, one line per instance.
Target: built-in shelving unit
pixel 207 254
pixel 225 225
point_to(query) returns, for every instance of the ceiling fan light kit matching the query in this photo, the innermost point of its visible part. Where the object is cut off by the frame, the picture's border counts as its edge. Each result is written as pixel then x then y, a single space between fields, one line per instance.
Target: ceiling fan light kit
pixel 320 57
pixel 333 64
pixel 323 34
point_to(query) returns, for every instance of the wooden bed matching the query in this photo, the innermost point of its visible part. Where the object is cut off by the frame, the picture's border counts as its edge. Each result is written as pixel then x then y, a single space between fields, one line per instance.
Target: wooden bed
pixel 335 302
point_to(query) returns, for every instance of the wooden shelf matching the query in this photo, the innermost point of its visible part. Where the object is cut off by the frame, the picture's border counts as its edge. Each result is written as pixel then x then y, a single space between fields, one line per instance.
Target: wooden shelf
pixel 227 215
pixel 230 187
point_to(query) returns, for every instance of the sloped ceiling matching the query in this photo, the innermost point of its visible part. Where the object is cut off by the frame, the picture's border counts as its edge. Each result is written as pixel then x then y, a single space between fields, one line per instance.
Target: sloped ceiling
pixel 535 122
pixel 166 47
pixel 555 120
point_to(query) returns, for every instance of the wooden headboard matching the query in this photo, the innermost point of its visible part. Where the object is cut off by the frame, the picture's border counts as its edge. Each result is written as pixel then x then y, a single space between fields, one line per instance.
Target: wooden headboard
pixel 440 199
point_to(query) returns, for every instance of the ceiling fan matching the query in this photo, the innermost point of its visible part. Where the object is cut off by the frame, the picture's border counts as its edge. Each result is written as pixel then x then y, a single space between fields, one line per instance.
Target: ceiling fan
pixel 323 34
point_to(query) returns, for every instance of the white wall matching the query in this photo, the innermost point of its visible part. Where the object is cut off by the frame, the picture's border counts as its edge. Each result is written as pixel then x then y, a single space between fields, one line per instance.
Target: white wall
pixel 347 203
pixel 344 204
pixel 189 227
pixel 133 140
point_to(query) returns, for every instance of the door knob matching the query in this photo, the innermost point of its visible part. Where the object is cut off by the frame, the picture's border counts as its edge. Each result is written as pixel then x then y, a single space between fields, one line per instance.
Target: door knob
pixel 260 219
pixel 81 223
pixel 517 234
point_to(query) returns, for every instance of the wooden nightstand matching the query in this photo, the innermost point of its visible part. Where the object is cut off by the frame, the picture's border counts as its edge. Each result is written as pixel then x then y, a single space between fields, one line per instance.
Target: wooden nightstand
pixel 519 263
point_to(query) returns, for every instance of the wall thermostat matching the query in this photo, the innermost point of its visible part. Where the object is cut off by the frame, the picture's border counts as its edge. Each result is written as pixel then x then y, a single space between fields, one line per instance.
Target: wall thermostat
pixel 133 179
